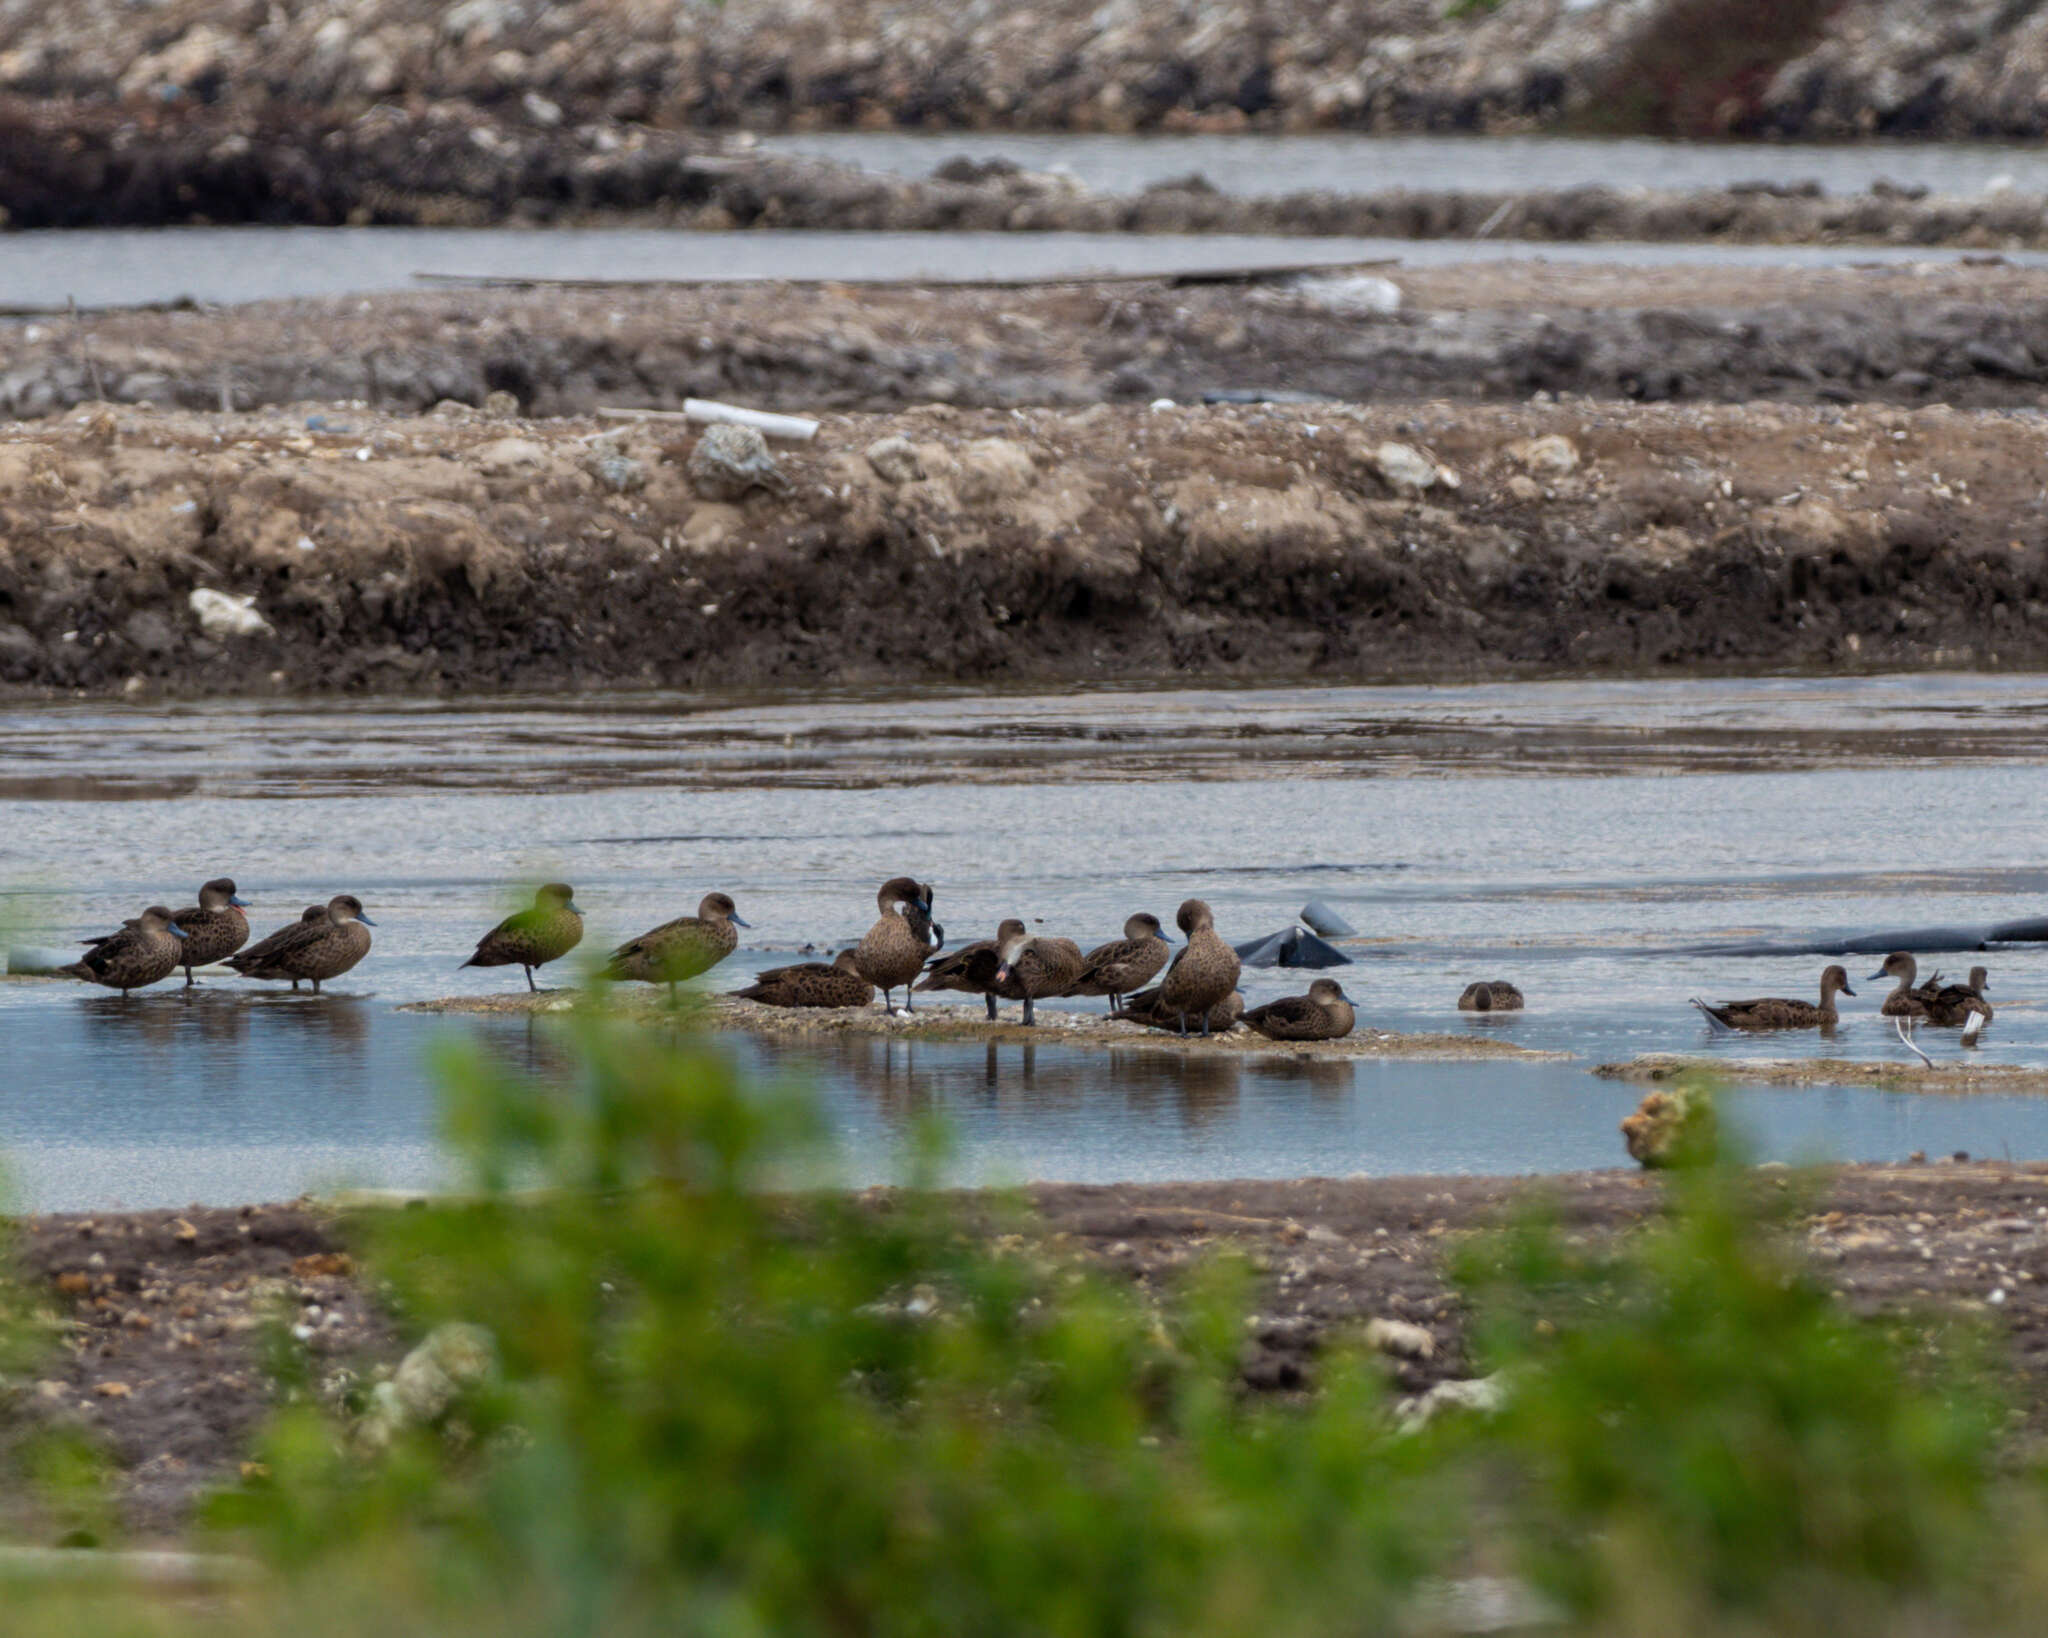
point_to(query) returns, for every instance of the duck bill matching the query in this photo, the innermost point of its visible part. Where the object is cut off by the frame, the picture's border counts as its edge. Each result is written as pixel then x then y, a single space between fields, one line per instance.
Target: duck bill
pixel 238 902
pixel 1847 991
pixel 739 921
pixel 1872 978
pixel 174 929
pixel 1003 975
pixel 573 908
pixel 366 921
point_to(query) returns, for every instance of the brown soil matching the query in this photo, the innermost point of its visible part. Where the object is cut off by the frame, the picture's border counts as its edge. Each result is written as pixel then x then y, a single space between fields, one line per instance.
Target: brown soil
pixel 1655 1068
pixel 163 1311
pixel 438 552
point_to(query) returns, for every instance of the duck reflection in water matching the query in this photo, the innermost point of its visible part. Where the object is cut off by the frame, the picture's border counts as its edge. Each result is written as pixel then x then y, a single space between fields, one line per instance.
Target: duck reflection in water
pixel 1199 1087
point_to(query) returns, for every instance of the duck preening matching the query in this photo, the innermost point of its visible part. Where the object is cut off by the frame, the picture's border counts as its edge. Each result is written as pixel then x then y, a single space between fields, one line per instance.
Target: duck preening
pixel 895 949
pixel 1324 1014
pixel 1203 974
pixel 680 949
pixel 1125 965
pixel 215 928
pixel 1950 1006
pixel 811 984
pixel 321 946
pixel 1033 968
pixel 1490 995
pixel 143 952
pixel 532 938
pixel 971 969
pixel 1771 1012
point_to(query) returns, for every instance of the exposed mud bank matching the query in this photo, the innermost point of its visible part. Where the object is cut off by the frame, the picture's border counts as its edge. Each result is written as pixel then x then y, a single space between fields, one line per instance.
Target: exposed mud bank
pixel 1967 336
pixel 223 554
pixel 87 165
pixel 1895 1075
pixel 1688 67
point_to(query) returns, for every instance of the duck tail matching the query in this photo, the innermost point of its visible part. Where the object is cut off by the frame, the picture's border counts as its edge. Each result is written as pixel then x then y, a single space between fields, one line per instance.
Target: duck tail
pixel 1711 1015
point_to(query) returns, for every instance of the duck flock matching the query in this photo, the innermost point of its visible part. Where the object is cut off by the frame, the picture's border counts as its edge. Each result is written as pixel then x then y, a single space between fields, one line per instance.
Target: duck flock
pixel 1195 989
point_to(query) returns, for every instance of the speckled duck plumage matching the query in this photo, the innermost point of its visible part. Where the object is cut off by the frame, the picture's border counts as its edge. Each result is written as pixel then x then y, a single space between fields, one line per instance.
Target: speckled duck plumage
pixel 680 949
pixel 1126 965
pixel 532 938
pixel 1774 1012
pixel 215 928
pixel 314 951
pixel 811 984
pixel 894 950
pixel 1204 973
pixel 145 951
pixel 1324 1014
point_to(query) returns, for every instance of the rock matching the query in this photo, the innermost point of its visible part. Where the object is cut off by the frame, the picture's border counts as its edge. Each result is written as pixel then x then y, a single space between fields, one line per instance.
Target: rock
pixel 995 469
pixel 223 614
pixel 149 631
pixel 731 462
pixel 452 409
pixel 1482 1394
pixel 1670 1128
pixel 453 1358
pixel 1400 1338
pixel 505 456
pixel 1405 469
pixel 501 405
pixel 895 460
pixel 1351 293
pixel 1553 456
pixel 619 473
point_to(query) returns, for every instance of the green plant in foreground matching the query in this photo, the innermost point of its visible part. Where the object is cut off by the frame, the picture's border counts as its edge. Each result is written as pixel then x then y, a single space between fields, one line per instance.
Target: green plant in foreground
pixel 726 1407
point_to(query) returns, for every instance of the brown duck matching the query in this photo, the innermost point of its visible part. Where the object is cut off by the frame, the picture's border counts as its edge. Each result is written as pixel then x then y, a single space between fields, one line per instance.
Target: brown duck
pixel 1905 1001
pixel 682 948
pixel 532 938
pixel 1955 1004
pixel 895 949
pixel 315 950
pixel 1495 995
pixel 268 945
pixel 1128 964
pixel 214 928
pixel 1771 1012
pixel 143 952
pixel 1203 973
pixel 1145 1008
pixel 812 984
pixel 1324 1014
pixel 1036 967
pixel 971 969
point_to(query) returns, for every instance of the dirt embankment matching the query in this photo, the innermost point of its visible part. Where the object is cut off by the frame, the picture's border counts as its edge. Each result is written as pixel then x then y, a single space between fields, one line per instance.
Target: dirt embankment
pixel 160 1359
pixel 89 165
pixel 259 552
pixel 1810 68
pixel 1968 336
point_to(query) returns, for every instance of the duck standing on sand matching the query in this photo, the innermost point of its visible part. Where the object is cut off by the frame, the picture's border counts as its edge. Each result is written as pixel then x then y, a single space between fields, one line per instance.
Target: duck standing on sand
pixel 214 929
pixel 1905 1001
pixel 143 952
pixel 315 950
pixel 1770 1012
pixel 262 950
pixel 1036 967
pixel 1324 1014
pixel 532 938
pixel 811 984
pixel 1496 995
pixel 893 951
pixel 971 969
pixel 1126 965
pixel 682 948
pixel 1145 1008
pixel 1202 974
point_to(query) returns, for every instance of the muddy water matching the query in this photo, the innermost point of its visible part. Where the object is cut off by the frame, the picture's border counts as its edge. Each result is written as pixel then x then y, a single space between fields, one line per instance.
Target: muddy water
pixel 1577 838
pixel 1351 163
pixel 128 267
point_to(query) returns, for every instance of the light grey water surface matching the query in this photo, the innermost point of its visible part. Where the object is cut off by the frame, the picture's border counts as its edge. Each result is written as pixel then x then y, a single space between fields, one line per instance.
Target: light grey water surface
pixel 1569 836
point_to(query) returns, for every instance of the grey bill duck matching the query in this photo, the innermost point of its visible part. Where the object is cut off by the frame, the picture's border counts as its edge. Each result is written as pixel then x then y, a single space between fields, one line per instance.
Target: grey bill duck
pixel 1773 1012
pixel 1202 974
pixel 1126 965
pixel 1954 1005
pixel 534 937
pixel 214 928
pixel 1905 1000
pixel 1146 1008
pixel 893 951
pixel 145 951
pixel 315 950
pixel 971 969
pixel 1490 995
pixel 680 949
pixel 1324 1014
pixel 811 984
pixel 1035 968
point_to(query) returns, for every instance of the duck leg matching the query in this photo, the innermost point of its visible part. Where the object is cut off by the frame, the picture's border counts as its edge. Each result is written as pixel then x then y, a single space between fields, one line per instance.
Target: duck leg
pixel 188 975
pixel 991 1000
pixel 532 988
pixel 316 986
pixel 1028 1016
pixel 1183 1017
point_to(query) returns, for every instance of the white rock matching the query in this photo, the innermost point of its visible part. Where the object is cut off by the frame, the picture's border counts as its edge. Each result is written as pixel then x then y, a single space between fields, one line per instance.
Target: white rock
pixel 1401 1339
pixel 1357 293
pixel 503 456
pixel 1405 469
pixel 223 614
pixel 1553 455
pixel 895 460
pixel 1484 1394
pixel 453 1357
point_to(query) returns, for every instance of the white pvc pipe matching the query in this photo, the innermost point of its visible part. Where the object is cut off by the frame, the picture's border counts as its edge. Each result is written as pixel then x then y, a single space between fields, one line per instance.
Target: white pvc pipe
pixel 796 428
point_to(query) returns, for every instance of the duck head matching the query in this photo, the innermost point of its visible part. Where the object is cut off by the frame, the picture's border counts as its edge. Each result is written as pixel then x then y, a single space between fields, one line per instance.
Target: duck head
pixel 156 919
pixel 1145 925
pixel 1011 938
pixel 1194 917
pixel 557 896
pixel 1900 965
pixel 219 893
pixel 346 907
pixel 1980 979
pixel 1835 981
pixel 845 962
pixel 1328 992
pixel 719 907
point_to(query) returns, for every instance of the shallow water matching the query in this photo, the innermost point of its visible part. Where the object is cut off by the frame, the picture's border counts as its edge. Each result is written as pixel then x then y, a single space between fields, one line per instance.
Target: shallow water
pixel 1573 837
pixel 132 266
pixel 1356 163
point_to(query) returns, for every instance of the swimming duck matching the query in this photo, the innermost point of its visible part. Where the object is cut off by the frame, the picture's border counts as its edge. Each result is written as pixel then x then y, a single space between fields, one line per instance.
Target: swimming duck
pixel 215 928
pixel 316 950
pixel 682 948
pixel 1770 1012
pixel 1955 1004
pixel 1497 995
pixel 1905 1001
pixel 895 949
pixel 1324 1014
pixel 971 969
pixel 1126 964
pixel 144 951
pixel 1146 1008
pixel 533 938
pixel 812 984
pixel 1203 973
pixel 1035 967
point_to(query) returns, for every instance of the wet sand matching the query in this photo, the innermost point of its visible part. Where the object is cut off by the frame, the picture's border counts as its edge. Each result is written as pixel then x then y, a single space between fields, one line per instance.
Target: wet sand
pixel 1653 1068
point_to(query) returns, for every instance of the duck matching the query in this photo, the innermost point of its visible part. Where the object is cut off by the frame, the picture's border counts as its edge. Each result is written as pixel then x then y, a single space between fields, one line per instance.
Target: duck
pixel 145 951
pixel 893 951
pixel 1124 965
pixel 1203 973
pixel 1324 1014
pixel 682 948
pixel 811 984
pixel 971 969
pixel 1490 995
pixel 1905 1001
pixel 532 938
pixel 214 928
pixel 1955 1004
pixel 1771 1012
pixel 316 950
pixel 1146 1008
pixel 1036 967
pixel 268 945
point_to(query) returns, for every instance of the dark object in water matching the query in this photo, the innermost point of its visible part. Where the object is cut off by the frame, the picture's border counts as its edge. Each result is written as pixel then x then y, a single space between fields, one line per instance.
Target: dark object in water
pixel 1490 995
pixel 1318 917
pixel 1293 947
pixel 1928 940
